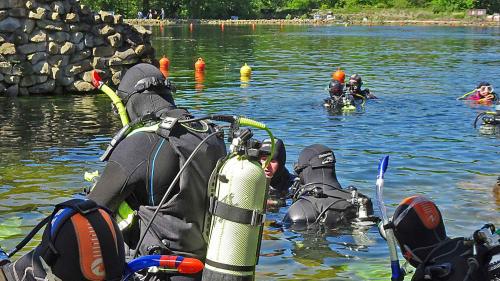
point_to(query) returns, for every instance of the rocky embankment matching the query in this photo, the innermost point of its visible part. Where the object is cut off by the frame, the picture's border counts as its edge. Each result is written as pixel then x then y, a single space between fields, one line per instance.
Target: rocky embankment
pixel 50 47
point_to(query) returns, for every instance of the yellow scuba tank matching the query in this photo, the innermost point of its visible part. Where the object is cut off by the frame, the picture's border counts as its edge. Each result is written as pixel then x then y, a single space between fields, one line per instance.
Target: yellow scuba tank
pixel 238 213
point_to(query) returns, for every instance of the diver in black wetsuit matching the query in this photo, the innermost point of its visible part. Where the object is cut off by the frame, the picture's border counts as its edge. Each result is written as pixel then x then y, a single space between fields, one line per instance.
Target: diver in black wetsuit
pixel 419 229
pixel 142 166
pixel 81 242
pixel 318 196
pixel 354 87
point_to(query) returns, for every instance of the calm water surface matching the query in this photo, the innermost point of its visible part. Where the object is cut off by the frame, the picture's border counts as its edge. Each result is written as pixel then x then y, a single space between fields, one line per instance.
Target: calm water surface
pixel 47 143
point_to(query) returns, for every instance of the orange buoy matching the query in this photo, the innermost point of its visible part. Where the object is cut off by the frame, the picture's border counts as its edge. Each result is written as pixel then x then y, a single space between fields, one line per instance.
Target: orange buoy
pixel 199 66
pixel 199 78
pixel 191 27
pixel 253 26
pixel 222 26
pixel 164 64
pixel 339 75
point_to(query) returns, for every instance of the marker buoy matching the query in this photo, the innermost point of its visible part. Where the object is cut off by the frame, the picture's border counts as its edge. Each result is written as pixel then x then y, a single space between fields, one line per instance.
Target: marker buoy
pixel 245 70
pixel 222 26
pixel 199 66
pixel 191 27
pixel 164 65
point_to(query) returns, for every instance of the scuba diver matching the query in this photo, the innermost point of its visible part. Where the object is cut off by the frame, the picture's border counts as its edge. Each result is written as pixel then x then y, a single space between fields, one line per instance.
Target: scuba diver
pixel 354 86
pixel 339 98
pixel 277 174
pixel 142 166
pixel 318 196
pixel 490 121
pixel 420 232
pixel 81 242
pixel 484 93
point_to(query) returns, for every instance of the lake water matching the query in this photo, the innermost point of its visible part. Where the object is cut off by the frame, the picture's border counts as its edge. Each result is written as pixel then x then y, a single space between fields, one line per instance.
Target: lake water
pixel 47 143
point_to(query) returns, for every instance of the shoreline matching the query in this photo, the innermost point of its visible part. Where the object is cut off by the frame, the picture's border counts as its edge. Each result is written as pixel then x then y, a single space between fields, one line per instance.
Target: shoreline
pixel 348 21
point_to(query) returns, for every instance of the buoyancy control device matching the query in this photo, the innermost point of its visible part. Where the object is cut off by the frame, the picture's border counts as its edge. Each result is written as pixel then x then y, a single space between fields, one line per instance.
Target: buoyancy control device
pixel 464 259
pixel 490 121
pixel 238 192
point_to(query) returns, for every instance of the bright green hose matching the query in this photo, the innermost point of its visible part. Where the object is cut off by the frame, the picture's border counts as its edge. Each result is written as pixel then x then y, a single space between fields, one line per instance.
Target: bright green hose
pixel 122 111
pixel 252 123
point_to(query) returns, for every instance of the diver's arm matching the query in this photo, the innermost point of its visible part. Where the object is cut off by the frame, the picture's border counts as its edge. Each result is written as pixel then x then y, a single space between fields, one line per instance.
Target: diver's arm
pixel 112 188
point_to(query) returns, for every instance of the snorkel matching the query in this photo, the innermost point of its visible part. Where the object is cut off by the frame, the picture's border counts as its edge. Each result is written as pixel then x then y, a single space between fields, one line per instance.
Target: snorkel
pixel 397 272
pixel 98 84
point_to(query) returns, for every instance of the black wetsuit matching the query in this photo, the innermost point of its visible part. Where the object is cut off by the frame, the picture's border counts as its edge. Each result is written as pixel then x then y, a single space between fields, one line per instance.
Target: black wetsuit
pixel 318 196
pixel 143 165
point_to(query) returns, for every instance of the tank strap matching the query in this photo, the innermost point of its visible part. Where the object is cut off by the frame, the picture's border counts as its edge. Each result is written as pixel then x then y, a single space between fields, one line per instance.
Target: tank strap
pixel 230 266
pixel 235 214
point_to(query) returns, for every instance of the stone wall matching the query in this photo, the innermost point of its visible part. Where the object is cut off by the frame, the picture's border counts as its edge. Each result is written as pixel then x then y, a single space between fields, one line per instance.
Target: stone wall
pixel 50 47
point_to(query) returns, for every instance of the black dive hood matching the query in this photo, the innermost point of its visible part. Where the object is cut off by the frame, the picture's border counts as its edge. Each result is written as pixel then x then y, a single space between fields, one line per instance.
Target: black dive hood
pixel 280 180
pixel 144 90
pixel 317 165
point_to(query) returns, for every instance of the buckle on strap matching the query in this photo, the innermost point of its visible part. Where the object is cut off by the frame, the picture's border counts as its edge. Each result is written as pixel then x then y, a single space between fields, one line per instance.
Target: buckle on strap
pixel 235 214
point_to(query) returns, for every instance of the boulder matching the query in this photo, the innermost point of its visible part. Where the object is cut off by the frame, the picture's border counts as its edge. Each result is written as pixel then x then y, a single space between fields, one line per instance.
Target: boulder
pixel 89 40
pixel 84 54
pixel 12 91
pixel 7 49
pixel 29 5
pixel 102 51
pixel 58 7
pixel 12 79
pixel 28 26
pixel 106 17
pixel 5 67
pixel 106 30
pixel 76 68
pixel 46 87
pixel 71 18
pixel 77 37
pixel 115 40
pixel 65 80
pixel 32 48
pixel 118 19
pixel 85 10
pixel 116 77
pixel 117 61
pixel 141 30
pixel 81 86
pixel 2 87
pixel 99 63
pixel 38 14
pixel 51 25
pixel 68 48
pixel 38 36
pixel 128 53
pixel 55 16
pixel 59 37
pixel 18 12
pixel 37 57
pixel 58 60
pixel 140 50
pixel 53 48
pixel 10 25
pixel 3 14
pixel 42 68
pixel 10 4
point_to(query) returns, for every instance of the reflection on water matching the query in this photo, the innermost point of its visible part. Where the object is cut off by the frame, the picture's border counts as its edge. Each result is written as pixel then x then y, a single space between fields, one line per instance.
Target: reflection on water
pixel 47 143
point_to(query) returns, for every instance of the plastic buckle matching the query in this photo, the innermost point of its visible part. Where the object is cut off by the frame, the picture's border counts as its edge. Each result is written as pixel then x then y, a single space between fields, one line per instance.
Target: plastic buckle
pixel 257 218
pixel 212 205
pixel 168 123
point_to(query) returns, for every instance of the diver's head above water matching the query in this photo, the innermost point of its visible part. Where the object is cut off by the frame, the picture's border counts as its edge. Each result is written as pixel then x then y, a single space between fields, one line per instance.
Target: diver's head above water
pixel 316 164
pixel 144 90
pixel 277 164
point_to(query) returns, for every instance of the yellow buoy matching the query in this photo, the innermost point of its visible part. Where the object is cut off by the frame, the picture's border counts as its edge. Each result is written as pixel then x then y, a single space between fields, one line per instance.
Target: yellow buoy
pixel 245 70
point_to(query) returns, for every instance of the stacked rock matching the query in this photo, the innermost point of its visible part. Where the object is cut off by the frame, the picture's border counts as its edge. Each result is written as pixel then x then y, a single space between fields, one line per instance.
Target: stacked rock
pixel 51 46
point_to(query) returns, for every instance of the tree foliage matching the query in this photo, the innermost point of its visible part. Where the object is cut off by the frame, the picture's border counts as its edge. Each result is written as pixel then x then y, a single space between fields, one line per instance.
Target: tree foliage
pixel 224 9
